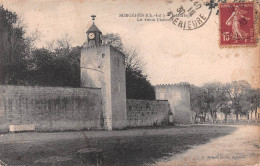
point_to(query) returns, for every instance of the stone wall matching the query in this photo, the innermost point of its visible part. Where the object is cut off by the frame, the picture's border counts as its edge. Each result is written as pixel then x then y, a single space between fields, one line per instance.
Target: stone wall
pixel 50 108
pixel 147 112
pixel 178 96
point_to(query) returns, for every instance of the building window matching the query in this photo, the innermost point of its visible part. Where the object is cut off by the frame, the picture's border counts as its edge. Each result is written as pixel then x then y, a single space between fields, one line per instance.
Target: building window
pixel 103 55
pixel 162 96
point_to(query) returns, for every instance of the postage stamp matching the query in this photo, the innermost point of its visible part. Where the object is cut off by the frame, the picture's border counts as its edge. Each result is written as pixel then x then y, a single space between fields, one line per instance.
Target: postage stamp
pixel 236 21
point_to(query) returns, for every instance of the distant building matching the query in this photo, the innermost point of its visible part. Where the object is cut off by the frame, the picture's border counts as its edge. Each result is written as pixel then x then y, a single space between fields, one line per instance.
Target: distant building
pixel 178 96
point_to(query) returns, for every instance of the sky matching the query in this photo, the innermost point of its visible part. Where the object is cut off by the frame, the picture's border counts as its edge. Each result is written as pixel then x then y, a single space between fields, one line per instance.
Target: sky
pixel 171 54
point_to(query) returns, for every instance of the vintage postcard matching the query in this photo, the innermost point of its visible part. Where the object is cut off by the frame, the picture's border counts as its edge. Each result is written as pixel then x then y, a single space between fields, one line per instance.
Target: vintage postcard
pixel 129 82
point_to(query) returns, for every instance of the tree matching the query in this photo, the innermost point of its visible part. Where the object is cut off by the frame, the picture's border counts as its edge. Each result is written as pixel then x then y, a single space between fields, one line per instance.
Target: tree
pixel 214 98
pixel 137 86
pixel 13 47
pixel 226 109
pixel 56 65
pixel 137 83
pixel 198 102
pixel 132 60
pixel 74 60
pixel 40 67
pixel 114 39
pixel 67 62
pixel 207 99
pixel 254 100
pixel 238 92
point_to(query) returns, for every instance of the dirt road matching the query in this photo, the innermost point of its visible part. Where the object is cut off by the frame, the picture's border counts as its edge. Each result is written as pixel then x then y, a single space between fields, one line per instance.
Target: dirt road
pixel 242 147
pixel 130 147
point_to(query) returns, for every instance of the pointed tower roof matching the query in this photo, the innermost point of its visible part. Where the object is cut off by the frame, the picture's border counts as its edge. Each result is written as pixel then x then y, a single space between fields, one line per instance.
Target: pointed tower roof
pixel 93 28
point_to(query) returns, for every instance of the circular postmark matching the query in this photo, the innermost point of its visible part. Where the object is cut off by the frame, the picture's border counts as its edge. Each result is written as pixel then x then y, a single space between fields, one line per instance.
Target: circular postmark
pixel 190 15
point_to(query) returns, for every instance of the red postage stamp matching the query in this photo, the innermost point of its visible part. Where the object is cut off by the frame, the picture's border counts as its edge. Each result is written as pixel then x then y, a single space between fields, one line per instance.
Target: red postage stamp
pixel 237 24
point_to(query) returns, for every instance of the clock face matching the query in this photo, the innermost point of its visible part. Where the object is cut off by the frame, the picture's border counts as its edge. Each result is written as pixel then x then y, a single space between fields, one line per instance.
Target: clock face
pixel 91 35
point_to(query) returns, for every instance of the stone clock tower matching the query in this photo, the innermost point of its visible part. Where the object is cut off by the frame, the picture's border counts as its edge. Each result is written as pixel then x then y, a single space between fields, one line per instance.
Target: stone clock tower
pixel 102 66
pixel 94 34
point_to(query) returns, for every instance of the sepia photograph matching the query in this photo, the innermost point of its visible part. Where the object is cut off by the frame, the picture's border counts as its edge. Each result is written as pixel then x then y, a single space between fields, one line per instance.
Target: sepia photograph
pixel 129 83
